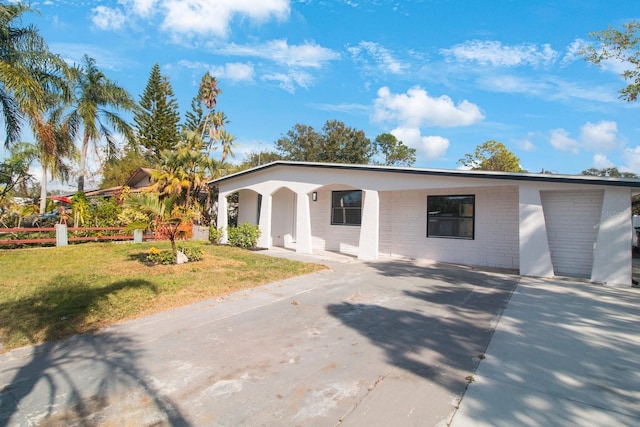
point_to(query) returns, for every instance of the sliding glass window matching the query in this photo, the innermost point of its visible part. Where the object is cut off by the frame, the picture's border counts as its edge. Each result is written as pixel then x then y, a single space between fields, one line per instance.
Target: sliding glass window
pixel 451 217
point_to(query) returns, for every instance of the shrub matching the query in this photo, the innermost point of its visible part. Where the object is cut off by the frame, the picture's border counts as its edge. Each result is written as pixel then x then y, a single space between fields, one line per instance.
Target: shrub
pixel 194 254
pixel 168 257
pixel 105 212
pixel 156 256
pixel 131 215
pixel 215 234
pixel 244 236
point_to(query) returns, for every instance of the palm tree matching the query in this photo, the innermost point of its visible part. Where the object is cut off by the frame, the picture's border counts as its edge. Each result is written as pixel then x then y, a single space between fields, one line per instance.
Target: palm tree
pixel 54 145
pixel 96 97
pixel 28 71
pixel 227 141
pixel 169 180
pixel 208 93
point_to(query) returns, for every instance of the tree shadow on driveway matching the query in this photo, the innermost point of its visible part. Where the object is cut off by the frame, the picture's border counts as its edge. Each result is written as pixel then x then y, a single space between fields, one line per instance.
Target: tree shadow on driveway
pixel 443 329
pixel 83 380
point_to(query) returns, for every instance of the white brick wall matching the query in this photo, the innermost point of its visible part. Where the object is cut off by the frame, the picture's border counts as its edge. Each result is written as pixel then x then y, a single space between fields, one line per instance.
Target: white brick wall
pixel 572 219
pixel 327 237
pixel 403 228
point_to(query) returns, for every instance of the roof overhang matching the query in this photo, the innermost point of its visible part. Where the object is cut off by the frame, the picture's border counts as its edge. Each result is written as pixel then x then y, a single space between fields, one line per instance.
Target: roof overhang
pixel 510 176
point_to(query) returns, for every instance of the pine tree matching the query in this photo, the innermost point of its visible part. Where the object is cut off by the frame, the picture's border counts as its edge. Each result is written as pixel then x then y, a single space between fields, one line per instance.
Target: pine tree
pixel 157 116
pixel 194 119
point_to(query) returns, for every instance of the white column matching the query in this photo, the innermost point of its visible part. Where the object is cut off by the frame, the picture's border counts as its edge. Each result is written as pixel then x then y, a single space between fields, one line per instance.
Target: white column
pixel 612 263
pixel 303 224
pixel 370 226
pixel 223 216
pixel 265 222
pixel 535 256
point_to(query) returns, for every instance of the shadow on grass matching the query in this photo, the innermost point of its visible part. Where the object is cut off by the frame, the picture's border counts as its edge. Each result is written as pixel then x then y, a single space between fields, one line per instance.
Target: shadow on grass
pixel 139 257
pixel 60 308
pixel 80 380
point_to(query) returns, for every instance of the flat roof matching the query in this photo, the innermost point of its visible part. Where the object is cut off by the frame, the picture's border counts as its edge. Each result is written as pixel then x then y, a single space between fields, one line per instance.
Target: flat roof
pixel 512 176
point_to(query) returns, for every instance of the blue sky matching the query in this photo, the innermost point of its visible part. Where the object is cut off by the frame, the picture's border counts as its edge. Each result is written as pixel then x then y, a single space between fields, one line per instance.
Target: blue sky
pixel 443 76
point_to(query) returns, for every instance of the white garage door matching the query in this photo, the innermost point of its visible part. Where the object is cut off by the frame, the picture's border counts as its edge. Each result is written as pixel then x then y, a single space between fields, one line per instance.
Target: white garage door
pixel 572 219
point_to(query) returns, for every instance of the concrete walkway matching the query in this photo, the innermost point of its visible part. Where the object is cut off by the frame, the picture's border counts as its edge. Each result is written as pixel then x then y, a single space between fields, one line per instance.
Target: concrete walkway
pixel 361 344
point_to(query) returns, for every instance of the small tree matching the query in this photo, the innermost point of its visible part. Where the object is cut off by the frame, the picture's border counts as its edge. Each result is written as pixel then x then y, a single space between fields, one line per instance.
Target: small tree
pixel 612 172
pixel 492 156
pixel 621 46
pixel 337 143
pixel 168 217
pixel 395 153
pixel 14 170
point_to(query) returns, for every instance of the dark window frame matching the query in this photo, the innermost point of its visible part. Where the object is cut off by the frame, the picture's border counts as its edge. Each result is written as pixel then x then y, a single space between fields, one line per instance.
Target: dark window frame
pixel 346 213
pixel 435 218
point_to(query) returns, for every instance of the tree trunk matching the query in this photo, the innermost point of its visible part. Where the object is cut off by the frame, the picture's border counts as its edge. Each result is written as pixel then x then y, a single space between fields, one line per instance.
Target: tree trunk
pixel 83 162
pixel 43 190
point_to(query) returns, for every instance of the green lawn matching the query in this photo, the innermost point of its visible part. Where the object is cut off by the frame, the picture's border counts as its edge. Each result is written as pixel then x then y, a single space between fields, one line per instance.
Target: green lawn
pixel 51 293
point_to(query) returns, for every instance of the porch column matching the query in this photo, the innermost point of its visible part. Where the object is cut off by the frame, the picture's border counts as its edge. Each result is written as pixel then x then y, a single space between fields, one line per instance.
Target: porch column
pixel 535 256
pixel 612 255
pixel 303 224
pixel 369 226
pixel 265 222
pixel 223 216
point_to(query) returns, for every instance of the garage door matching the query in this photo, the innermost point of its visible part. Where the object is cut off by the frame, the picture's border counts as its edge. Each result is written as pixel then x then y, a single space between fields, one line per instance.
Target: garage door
pixel 572 219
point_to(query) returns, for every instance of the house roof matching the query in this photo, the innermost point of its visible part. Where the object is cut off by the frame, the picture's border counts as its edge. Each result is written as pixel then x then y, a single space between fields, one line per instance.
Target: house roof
pixel 512 176
pixel 139 175
pixel 135 183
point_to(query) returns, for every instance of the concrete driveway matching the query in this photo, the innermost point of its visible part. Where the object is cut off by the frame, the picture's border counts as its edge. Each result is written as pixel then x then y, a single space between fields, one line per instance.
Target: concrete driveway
pixel 363 344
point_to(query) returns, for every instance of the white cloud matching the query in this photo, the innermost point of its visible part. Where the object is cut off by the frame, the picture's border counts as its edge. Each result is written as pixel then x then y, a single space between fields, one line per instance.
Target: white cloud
pixel 383 58
pixel 237 71
pixel 143 8
pixel 526 145
pixel 601 136
pixel 305 55
pixel 632 156
pixel 233 71
pixel 572 51
pixel 498 55
pixel 600 161
pixel 546 87
pixel 416 108
pixel 430 147
pixel 206 17
pixel 560 140
pixel 107 19
pixel 203 17
pixel 291 80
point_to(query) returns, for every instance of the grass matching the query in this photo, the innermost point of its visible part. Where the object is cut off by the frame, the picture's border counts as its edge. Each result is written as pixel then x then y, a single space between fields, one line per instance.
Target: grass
pixel 51 293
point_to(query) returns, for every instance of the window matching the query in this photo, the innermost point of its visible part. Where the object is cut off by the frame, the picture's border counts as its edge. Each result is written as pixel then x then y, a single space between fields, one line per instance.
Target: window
pixel 346 207
pixel 451 216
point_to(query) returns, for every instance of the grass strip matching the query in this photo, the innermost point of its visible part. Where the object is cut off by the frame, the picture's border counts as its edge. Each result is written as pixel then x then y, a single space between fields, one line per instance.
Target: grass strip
pixel 51 293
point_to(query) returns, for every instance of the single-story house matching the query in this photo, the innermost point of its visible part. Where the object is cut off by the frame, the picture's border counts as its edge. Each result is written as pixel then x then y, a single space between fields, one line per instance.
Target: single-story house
pixel 139 180
pixel 541 225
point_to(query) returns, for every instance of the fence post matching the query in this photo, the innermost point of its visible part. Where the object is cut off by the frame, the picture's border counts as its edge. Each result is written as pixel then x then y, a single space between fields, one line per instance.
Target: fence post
pixel 62 239
pixel 137 236
pixel 200 232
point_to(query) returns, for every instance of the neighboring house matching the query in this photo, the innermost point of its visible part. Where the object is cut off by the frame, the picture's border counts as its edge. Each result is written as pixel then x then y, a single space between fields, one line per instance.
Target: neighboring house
pixel 139 180
pixel 538 224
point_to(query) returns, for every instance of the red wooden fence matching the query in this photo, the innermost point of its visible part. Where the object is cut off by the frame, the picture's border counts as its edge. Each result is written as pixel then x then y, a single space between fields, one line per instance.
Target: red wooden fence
pixel 70 237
